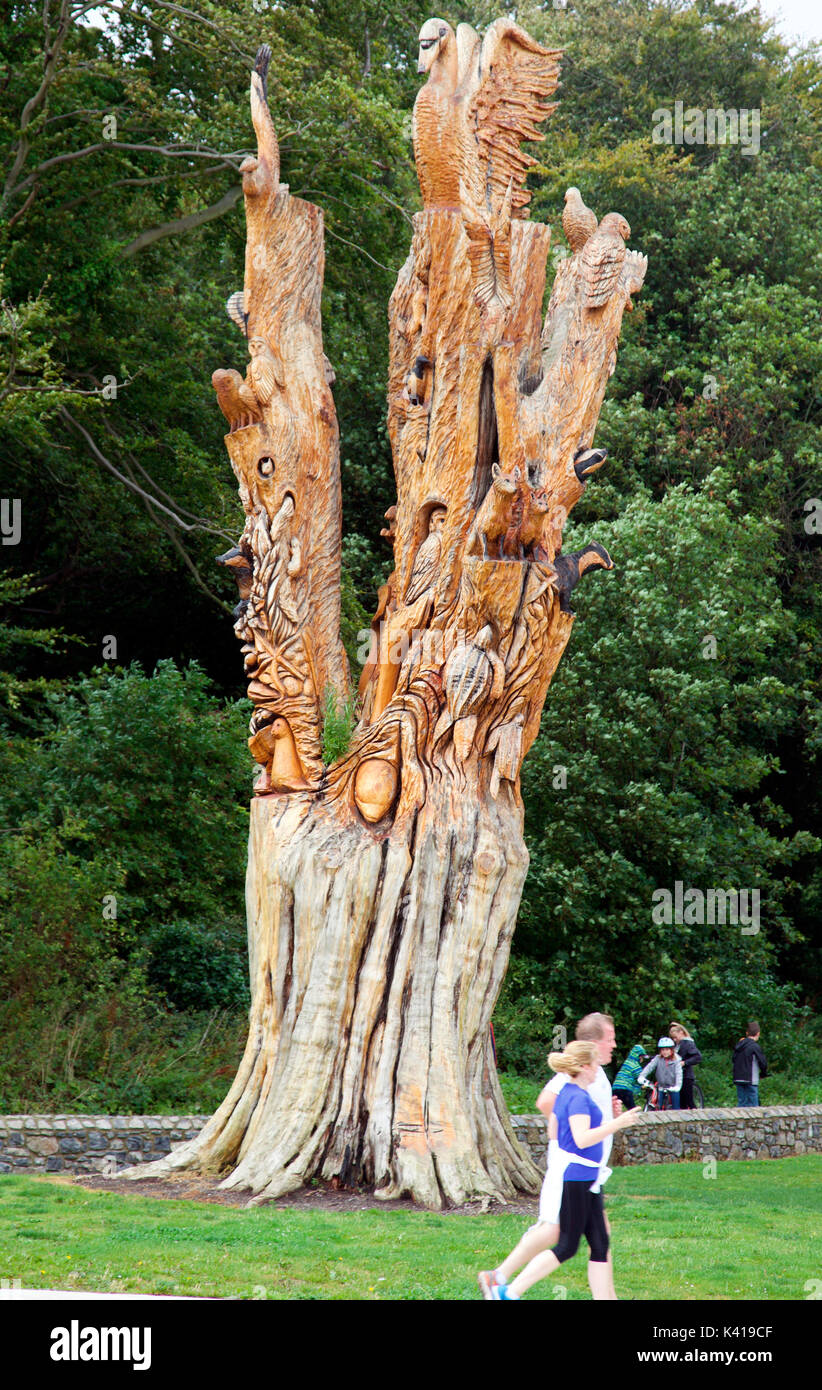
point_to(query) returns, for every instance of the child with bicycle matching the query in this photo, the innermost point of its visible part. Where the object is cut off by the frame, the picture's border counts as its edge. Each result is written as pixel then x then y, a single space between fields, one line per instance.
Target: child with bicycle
pixel 667 1069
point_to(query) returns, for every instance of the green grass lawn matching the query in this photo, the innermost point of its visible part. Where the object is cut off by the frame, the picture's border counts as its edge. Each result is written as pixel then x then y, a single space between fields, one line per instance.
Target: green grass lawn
pixel 752 1232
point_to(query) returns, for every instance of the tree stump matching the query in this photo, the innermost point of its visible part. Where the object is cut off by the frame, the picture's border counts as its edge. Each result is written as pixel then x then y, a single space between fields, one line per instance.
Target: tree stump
pixel 383 890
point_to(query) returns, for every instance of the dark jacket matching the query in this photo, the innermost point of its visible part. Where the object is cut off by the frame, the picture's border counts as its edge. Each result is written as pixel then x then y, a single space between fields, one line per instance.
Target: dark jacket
pixel 690 1055
pixel 744 1053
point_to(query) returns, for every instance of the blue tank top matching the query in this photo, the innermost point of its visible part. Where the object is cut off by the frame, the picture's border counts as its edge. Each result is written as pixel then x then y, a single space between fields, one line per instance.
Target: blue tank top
pixel 575 1100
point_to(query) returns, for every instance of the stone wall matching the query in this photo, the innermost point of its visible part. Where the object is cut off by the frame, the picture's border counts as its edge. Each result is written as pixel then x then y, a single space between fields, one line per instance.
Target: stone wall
pixel 89 1143
pixel 106 1143
pixel 772 1131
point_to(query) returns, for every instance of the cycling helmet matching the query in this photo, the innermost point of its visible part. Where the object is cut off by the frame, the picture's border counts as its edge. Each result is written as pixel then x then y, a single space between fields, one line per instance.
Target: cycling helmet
pixel 666 1042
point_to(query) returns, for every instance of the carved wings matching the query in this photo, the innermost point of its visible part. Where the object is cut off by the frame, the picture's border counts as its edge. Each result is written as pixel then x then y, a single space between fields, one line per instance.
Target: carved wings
pixel 578 221
pixel 507 100
pixel 426 568
pixel 603 257
pixel 264 375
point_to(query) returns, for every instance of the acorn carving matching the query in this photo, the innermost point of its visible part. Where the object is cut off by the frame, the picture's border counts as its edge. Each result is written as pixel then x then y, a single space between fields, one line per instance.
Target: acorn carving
pixel 375 787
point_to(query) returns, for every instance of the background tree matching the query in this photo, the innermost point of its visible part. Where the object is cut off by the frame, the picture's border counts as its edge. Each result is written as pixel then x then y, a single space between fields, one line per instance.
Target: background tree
pixel 732 294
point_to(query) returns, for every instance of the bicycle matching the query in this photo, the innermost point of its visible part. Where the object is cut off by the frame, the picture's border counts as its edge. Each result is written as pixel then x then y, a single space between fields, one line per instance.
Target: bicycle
pixel 657 1099
pixel 699 1097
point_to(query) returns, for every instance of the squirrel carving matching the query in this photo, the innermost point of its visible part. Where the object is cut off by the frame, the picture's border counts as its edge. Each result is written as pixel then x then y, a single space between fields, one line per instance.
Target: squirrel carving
pixel 494 518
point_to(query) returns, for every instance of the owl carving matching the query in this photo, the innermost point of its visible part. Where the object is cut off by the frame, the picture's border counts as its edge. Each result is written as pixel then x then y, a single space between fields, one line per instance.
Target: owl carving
pixel 427 561
pixel 603 257
pixel 265 371
pixel 236 400
pixel 578 221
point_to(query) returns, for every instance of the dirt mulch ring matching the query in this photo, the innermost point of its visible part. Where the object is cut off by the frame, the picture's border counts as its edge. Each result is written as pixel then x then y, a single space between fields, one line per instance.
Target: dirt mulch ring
pixel 322 1198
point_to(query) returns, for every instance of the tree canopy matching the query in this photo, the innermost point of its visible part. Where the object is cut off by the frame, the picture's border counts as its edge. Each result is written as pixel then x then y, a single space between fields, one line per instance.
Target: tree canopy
pixel 686 713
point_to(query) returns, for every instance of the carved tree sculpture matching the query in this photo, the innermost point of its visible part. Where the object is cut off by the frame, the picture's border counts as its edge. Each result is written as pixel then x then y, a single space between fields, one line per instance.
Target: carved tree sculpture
pixel 382 891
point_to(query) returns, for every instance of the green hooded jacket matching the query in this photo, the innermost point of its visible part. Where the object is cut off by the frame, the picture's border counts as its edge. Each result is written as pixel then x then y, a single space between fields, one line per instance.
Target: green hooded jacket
pixel 626 1077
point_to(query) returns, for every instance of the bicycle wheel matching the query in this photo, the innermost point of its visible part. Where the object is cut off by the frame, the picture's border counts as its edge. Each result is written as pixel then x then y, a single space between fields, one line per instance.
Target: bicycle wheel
pixel 665 1102
pixel 699 1098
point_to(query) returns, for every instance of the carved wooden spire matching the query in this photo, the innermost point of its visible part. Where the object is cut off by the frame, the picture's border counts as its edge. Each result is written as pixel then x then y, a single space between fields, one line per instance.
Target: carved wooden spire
pixel 383 890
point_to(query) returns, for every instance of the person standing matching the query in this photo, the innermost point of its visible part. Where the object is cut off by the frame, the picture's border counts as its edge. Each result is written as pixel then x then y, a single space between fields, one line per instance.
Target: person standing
pixel 598 1029
pixel 581 1133
pixel 690 1057
pixel 750 1064
pixel 626 1082
pixel 668 1070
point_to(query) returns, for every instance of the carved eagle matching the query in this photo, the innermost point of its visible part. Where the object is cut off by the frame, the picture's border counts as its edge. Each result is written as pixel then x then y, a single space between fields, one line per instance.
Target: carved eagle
pixel 578 221
pixel 481 101
pixel 235 399
pixel 603 257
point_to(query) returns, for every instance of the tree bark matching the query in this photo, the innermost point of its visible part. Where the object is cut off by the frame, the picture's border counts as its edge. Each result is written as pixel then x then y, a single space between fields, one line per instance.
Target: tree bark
pixel 382 891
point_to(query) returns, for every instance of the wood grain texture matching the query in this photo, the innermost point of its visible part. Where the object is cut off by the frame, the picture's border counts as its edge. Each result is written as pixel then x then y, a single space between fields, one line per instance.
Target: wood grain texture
pixel 382 891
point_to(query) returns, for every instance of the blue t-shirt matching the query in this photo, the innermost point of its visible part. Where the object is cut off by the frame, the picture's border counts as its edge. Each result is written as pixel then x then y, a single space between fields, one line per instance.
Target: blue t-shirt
pixel 575 1100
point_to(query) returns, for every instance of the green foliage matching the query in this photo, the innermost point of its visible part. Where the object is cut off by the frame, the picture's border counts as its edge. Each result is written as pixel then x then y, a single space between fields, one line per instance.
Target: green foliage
pixel 338 724
pixel 678 767
pixel 520 1093
pixel 646 769
pixel 21 646
pixel 119 825
pixel 197 968
pixel 160 775
pixel 118 1055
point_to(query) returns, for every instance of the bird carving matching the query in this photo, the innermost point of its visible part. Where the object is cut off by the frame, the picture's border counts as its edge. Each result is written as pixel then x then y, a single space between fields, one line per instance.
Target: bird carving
pixel 235 308
pixel 236 400
pixel 265 373
pixel 481 100
pixel 273 745
pixel 261 172
pixel 633 275
pixel 578 221
pixel 427 560
pixel 506 745
pixel 603 257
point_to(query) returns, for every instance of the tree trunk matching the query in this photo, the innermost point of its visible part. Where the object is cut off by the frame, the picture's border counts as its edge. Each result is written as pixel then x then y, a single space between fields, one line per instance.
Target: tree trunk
pixel 383 890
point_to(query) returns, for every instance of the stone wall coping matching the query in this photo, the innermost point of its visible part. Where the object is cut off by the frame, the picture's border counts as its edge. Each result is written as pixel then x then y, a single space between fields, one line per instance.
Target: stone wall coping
pixel 17 1121
pixel 736 1112
pixel 80 1121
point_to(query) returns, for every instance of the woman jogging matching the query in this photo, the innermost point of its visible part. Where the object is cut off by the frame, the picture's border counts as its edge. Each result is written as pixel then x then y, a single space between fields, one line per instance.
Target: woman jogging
pixel 580 1132
pixel 690 1057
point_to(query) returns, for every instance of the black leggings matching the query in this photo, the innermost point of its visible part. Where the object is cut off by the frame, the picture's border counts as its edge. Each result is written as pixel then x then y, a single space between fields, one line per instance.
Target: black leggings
pixel 581 1214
